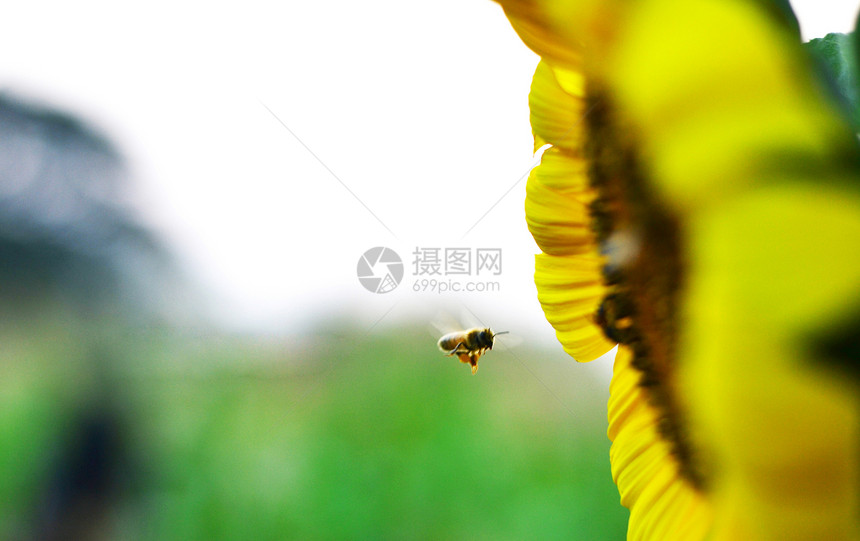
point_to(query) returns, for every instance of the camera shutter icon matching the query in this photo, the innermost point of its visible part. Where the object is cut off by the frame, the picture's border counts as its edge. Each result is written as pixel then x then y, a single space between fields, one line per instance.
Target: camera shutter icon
pixel 380 270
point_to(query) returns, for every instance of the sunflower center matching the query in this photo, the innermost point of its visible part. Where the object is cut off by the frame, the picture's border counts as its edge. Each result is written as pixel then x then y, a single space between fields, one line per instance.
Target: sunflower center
pixel 643 271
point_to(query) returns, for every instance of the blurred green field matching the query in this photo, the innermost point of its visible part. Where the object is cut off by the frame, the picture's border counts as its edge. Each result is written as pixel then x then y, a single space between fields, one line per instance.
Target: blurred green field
pixel 334 435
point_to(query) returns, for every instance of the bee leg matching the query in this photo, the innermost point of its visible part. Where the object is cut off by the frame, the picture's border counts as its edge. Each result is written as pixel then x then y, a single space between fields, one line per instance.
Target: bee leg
pixel 473 360
pixel 465 358
pixel 453 351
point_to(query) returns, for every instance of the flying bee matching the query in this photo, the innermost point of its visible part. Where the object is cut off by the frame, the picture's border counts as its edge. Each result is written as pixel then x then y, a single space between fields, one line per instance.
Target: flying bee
pixel 469 345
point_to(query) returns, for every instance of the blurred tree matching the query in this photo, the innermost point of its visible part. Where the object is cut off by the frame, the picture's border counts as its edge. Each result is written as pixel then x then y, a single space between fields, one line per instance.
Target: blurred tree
pixel 68 230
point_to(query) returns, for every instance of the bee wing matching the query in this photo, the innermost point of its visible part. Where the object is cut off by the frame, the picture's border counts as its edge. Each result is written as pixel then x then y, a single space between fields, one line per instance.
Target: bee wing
pixel 442 324
pixel 468 320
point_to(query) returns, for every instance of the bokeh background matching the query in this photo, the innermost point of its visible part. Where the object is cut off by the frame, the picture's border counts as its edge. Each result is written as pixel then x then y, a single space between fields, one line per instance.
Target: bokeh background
pixel 185 192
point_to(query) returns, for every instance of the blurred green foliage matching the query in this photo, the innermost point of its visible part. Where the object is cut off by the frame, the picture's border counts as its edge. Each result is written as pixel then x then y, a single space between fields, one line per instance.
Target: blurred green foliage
pixel 330 436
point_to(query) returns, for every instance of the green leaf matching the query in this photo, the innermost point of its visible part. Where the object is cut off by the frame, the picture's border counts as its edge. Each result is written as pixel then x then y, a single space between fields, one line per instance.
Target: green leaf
pixel 836 58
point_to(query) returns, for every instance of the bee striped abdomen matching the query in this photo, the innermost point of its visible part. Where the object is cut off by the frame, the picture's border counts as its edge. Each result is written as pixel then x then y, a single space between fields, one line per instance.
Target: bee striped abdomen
pixel 452 340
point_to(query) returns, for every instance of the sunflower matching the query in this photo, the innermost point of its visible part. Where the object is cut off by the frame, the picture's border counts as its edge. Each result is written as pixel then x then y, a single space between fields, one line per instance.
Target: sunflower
pixel 698 204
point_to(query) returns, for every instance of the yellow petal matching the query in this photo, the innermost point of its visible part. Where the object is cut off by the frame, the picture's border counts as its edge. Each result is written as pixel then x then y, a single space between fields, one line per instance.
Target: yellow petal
pixel 662 504
pixel 557 198
pixel 564 31
pixel 557 105
pixel 534 23
pixel 570 290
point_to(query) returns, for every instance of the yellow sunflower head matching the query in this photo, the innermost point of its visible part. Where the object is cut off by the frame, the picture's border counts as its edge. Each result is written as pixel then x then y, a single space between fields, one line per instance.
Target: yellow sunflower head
pixel 699 204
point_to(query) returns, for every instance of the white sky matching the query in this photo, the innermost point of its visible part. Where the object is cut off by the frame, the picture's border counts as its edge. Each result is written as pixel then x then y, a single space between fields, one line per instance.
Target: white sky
pixel 420 109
